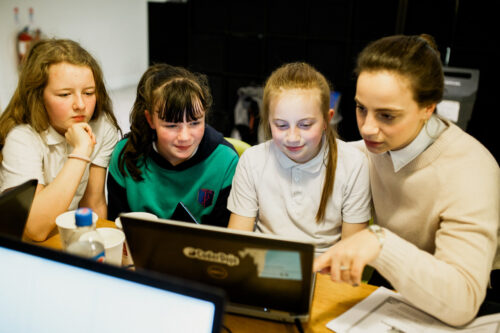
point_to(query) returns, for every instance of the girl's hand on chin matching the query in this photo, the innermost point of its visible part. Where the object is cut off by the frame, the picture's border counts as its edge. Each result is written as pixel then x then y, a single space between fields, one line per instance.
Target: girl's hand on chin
pixel 81 138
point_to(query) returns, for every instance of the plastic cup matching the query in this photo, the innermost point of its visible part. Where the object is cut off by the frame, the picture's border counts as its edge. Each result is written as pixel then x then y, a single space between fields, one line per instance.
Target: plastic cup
pixel 113 244
pixel 66 226
pixel 127 258
pixel 141 215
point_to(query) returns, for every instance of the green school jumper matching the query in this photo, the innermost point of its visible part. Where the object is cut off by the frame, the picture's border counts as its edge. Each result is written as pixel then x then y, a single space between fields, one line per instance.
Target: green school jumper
pixel 202 183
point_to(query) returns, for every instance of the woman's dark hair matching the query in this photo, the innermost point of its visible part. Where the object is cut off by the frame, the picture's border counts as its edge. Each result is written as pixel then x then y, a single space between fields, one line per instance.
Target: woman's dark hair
pixel 171 92
pixel 413 57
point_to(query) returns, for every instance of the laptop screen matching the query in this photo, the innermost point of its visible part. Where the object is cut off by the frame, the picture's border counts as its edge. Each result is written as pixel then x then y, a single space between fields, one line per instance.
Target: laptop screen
pixel 47 291
pixel 254 269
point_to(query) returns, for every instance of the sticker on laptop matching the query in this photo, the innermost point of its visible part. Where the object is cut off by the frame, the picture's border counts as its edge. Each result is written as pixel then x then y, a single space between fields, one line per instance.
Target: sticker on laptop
pixel 275 264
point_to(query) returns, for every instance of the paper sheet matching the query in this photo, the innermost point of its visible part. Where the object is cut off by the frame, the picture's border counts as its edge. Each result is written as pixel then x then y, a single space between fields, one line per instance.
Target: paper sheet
pixel 387 311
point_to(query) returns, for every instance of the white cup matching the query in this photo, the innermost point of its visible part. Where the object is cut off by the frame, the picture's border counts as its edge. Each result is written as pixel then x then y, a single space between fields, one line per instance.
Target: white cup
pixel 144 215
pixel 127 258
pixel 66 226
pixel 113 244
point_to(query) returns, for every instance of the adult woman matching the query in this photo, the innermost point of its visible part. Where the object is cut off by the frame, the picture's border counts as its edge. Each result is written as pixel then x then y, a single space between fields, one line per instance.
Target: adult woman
pixel 435 188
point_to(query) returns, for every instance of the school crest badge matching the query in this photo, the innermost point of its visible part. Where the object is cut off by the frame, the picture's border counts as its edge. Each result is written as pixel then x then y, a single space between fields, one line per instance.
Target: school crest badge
pixel 205 197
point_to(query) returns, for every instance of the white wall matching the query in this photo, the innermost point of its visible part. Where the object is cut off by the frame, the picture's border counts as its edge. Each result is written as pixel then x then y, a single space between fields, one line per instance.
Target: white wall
pixel 113 31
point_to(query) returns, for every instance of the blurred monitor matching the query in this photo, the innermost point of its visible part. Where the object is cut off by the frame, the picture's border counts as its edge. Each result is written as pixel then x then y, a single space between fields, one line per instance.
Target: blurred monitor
pixel 43 290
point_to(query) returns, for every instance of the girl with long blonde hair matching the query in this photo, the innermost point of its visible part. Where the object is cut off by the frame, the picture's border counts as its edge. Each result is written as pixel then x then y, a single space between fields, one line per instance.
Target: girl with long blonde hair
pixel 303 183
pixel 58 128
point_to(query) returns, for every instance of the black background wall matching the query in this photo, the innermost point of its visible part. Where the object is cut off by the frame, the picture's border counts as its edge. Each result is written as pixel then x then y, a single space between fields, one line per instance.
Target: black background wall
pixel 239 42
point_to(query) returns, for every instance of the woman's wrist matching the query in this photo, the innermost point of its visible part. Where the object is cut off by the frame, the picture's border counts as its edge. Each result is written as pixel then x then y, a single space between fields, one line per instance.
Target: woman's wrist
pixel 378 232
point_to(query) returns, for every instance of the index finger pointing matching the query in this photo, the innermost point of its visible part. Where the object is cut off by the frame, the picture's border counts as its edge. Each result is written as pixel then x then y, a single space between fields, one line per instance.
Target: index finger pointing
pixel 321 262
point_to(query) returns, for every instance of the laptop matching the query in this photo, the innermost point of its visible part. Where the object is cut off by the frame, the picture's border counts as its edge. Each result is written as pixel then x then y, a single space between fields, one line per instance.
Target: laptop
pixel 263 276
pixel 44 290
pixel 15 205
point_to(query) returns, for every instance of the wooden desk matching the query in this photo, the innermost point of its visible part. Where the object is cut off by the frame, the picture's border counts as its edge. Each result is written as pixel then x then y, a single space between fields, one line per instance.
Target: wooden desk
pixel 330 300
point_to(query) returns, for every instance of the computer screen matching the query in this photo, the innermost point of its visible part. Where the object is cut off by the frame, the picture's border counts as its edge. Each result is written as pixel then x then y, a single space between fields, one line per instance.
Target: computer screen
pixel 40 292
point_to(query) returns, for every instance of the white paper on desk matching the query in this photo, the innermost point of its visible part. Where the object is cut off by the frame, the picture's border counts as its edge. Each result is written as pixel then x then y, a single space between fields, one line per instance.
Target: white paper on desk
pixel 387 311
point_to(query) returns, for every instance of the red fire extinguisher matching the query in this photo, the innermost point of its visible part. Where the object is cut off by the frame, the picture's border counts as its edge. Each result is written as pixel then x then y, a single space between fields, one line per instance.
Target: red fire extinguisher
pixel 24 40
pixel 26 36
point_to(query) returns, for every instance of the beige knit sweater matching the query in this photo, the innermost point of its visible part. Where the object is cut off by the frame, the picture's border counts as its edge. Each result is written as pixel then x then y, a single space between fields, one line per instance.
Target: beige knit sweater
pixel 441 214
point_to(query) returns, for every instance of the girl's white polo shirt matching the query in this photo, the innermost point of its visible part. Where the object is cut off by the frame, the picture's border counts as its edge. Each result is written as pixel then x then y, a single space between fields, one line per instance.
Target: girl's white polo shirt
pixel 284 196
pixel 28 154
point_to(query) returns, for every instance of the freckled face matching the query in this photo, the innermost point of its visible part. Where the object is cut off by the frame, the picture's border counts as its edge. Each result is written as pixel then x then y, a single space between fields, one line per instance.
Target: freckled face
pixel 69 96
pixel 388 117
pixel 297 123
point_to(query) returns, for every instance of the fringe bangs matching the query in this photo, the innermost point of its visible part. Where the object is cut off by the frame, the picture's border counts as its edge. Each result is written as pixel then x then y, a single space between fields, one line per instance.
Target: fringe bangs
pixel 180 98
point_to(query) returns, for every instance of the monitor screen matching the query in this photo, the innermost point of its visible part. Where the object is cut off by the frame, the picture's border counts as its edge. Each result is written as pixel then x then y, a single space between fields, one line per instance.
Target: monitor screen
pixel 43 294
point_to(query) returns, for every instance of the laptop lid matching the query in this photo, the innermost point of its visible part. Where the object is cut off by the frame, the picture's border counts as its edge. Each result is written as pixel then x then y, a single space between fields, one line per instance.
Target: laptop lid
pixel 44 290
pixel 271 276
pixel 15 205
